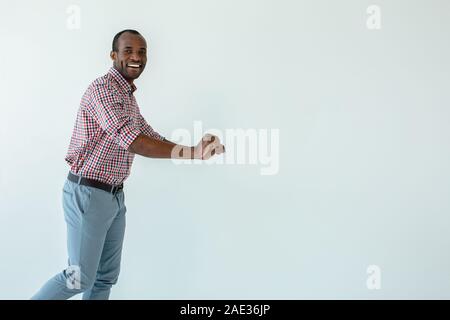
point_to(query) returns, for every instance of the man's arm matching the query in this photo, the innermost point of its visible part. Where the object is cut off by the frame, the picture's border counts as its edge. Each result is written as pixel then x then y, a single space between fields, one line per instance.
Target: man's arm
pixel 154 148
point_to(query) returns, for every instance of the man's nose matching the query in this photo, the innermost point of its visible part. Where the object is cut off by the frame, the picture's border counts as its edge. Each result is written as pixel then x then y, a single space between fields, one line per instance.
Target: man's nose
pixel 135 57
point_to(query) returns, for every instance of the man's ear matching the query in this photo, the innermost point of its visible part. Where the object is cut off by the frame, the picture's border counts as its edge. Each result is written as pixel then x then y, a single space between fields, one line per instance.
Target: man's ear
pixel 113 55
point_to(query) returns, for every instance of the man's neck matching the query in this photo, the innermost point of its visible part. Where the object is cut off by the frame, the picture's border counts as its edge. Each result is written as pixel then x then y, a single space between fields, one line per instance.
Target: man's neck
pixel 130 81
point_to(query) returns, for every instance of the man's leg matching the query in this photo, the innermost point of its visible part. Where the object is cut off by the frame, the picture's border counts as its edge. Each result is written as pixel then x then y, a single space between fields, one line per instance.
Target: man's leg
pixel 109 267
pixel 88 219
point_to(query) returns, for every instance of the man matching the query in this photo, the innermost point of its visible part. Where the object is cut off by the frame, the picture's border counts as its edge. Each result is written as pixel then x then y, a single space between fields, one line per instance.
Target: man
pixel 109 131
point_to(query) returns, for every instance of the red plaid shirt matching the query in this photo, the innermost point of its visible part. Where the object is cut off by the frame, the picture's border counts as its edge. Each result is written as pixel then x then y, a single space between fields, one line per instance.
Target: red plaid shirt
pixel 108 121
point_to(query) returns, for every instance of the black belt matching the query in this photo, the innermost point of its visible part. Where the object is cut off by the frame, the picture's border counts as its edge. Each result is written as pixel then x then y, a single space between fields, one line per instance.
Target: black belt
pixel 94 183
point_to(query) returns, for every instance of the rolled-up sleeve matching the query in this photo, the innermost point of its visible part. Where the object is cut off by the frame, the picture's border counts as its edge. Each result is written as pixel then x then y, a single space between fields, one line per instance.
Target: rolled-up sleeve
pixel 107 109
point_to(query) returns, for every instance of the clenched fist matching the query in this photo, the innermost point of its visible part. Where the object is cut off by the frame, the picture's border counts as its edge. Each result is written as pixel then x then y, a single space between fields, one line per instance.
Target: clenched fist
pixel 208 146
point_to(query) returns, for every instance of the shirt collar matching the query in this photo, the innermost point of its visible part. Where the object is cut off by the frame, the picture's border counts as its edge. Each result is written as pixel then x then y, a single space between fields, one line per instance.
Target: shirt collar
pixel 130 88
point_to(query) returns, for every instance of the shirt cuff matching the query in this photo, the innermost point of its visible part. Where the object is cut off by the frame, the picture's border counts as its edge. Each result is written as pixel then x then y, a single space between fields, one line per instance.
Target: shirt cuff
pixel 127 137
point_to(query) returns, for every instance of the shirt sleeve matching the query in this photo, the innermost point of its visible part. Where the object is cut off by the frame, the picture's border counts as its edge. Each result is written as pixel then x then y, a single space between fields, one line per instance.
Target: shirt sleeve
pixel 107 109
pixel 148 130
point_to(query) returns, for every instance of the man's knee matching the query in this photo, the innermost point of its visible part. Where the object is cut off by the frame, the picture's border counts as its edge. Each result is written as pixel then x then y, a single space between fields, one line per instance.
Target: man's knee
pixel 108 276
pixel 77 280
pixel 106 280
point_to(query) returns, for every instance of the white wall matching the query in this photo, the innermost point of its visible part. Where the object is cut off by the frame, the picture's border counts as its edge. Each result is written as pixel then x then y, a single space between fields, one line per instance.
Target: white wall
pixel 364 171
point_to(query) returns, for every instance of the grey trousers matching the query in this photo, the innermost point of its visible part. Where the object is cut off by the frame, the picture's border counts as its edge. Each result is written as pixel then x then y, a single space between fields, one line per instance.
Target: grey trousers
pixel 95 230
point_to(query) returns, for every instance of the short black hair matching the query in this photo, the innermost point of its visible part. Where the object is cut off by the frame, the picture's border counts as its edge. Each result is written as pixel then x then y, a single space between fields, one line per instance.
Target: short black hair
pixel 117 36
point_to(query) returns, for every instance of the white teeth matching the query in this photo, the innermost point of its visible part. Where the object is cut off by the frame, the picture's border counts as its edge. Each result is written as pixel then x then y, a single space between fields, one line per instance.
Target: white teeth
pixel 134 65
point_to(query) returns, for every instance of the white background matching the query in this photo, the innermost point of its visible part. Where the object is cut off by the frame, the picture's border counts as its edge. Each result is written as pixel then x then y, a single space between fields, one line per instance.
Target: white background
pixel 364 173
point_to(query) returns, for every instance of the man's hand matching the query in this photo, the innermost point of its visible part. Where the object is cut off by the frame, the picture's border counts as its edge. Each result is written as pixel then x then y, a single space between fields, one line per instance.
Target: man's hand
pixel 208 146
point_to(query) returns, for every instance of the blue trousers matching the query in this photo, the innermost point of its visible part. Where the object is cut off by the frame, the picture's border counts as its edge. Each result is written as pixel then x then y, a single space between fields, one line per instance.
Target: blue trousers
pixel 95 229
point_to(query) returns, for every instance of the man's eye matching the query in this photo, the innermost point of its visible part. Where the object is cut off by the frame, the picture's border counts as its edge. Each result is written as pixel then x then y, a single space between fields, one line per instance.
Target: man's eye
pixel 127 51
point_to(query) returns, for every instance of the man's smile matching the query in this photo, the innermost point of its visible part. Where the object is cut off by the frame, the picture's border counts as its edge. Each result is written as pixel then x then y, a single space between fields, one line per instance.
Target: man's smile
pixel 134 65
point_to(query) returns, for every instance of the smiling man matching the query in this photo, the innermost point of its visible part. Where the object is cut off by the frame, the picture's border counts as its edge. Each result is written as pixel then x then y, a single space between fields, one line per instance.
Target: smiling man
pixel 108 132
pixel 128 64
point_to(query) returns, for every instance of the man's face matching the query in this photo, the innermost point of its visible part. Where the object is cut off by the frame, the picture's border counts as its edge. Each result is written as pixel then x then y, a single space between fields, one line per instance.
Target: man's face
pixel 131 57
